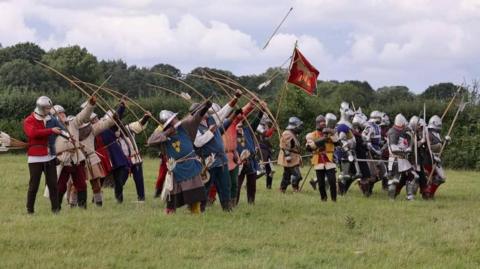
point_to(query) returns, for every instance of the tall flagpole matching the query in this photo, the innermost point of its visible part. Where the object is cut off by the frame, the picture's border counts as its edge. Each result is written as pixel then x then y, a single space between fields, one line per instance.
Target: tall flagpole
pixel 284 88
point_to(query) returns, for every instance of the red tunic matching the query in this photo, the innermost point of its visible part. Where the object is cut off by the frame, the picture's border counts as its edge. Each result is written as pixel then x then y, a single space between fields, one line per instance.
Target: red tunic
pixel 37 135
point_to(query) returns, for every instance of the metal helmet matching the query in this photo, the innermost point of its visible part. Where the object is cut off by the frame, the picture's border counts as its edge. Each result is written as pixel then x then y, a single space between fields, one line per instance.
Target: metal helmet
pixel 345 110
pixel 359 120
pixel 318 120
pixel 214 108
pixel 166 117
pixel 58 109
pixel 421 123
pixel 43 105
pixel 376 116
pixel 400 120
pixel 331 120
pixel 265 120
pixel 294 124
pixel 414 123
pixel 435 122
pixel 385 120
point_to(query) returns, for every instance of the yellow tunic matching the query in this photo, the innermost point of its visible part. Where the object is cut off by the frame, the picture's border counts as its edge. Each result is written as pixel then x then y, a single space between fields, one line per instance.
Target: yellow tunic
pixel 322 158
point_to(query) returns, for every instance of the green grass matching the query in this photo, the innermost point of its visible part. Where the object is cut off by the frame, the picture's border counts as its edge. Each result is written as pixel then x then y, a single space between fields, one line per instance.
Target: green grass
pixel 279 231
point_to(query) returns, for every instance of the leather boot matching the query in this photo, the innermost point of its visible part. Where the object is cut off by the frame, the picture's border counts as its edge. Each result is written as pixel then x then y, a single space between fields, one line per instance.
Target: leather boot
pixel 82 199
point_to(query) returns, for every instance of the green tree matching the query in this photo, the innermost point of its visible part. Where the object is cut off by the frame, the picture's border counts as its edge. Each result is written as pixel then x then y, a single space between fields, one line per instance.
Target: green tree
pixel 74 61
pixel 21 73
pixel 22 51
pixel 440 92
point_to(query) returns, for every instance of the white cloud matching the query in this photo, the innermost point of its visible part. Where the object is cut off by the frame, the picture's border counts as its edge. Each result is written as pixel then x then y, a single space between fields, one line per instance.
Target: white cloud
pixel 410 42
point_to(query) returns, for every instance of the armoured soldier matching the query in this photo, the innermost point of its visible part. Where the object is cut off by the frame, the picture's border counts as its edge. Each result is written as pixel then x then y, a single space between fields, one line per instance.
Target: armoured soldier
pixel 359 123
pixel 372 137
pixel 344 154
pixel 434 138
pixel 399 168
pixel 289 155
pixel 384 124
pixel 265 131
pixel 420 151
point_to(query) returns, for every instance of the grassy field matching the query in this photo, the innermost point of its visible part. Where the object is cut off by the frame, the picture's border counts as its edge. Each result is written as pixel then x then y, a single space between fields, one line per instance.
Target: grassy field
pixel 279 231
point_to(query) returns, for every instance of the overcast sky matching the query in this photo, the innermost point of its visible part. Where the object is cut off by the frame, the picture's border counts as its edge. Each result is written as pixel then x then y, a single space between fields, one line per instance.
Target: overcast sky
pixel 393 42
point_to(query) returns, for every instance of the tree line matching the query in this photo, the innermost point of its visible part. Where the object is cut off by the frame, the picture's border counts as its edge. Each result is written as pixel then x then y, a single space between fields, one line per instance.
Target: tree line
pixel 22 81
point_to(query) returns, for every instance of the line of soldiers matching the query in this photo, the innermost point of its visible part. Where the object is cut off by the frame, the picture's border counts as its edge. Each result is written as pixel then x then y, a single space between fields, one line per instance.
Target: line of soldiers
pixel 71 150
pixel 367 150
pixel 213 150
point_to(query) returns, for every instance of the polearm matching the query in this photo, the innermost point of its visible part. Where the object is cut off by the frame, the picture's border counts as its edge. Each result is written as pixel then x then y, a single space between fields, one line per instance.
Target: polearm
pixel 461 107
pixel 451 101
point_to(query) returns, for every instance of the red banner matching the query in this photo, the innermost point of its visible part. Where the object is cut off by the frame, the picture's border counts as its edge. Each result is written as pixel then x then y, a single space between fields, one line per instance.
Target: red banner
pixel 303 74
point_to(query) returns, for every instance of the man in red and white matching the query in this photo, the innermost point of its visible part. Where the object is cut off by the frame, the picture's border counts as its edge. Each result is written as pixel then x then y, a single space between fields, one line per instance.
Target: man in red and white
pixel 41 128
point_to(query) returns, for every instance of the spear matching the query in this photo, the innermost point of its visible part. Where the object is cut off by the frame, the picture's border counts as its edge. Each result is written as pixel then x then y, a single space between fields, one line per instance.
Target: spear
pixel 461 107
pixel 451 101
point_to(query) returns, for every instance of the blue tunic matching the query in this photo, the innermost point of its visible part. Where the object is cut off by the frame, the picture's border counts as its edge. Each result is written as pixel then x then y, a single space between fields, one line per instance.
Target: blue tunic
pixel 214 146
pixel 115 152
pixel 252 165
pixel 51 123
pixel 180 146
pixel 340 154
pixel 377 136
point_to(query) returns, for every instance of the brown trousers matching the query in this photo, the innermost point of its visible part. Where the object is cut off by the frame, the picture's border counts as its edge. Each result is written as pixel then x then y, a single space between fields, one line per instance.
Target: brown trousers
pixel 36 170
